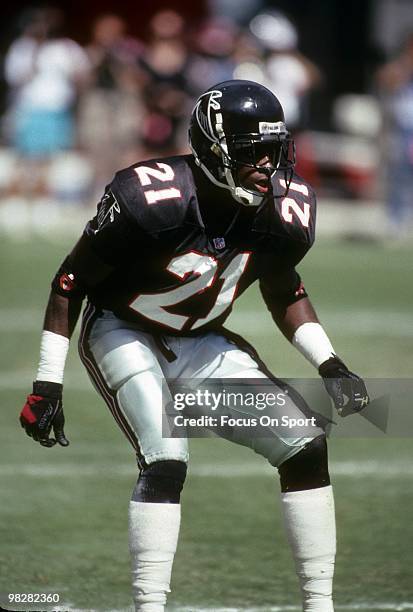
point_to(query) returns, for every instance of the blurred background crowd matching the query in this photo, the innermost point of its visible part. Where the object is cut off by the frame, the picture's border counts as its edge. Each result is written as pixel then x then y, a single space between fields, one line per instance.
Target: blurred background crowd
pixel 87 90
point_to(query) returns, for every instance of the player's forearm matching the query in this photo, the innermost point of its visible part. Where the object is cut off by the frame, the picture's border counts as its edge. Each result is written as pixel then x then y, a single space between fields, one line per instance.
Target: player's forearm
pixel 62 314
pixel 299 323
pixel 60 320
pixel 291 317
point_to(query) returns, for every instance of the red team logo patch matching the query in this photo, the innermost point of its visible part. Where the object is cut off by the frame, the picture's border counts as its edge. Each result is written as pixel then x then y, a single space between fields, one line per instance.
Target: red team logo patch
pixel 67 282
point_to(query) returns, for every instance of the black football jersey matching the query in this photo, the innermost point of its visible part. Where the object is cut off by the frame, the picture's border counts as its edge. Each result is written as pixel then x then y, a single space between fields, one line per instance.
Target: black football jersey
pixel 170 251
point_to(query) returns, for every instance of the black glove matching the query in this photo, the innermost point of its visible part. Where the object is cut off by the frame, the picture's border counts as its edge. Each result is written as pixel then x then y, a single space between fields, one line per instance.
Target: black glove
pixel 42 411
pixel 347 390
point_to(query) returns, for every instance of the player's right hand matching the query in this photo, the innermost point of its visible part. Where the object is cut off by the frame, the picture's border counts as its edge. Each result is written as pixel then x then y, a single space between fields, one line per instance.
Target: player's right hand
pixel 42 411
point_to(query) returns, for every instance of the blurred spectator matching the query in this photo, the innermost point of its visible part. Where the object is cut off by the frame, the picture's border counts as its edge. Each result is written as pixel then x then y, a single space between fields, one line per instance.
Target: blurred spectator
pixel 288 73
pixel 213 46
pixel 238 12
pixel 111 110
pixel 44 71
pixel 395 83
pixel 165 62
pixel 249 58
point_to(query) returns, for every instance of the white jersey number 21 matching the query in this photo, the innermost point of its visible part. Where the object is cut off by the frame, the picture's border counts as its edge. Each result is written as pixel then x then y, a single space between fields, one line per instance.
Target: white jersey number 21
pixel 153 305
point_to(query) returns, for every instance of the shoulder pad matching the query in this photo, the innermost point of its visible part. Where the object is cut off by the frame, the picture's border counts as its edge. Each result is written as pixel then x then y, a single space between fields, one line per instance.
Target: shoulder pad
pixel 158 193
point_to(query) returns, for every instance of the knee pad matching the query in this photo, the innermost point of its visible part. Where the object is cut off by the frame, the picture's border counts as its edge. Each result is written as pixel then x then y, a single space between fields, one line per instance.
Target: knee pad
pixel 160 482
pixel 308 469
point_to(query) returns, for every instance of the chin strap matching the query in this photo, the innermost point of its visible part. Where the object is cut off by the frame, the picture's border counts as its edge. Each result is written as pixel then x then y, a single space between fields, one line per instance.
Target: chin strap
pixel 246 197
pixel 241 195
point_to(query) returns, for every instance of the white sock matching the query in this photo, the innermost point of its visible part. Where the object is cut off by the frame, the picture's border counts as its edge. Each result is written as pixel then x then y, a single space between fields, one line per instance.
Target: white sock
pixel 311 530
pixel 153 538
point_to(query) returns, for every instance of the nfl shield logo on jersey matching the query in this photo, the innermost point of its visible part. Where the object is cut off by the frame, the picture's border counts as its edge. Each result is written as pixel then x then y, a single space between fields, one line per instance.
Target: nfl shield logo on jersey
pixel 219 243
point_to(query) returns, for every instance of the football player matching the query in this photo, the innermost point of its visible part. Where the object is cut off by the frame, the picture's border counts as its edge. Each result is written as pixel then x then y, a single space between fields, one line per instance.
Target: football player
pixel 174 242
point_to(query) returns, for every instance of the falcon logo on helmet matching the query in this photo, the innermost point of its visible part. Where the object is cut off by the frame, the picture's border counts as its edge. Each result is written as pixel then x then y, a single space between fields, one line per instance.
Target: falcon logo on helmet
pixel 234 125
pixel 205 120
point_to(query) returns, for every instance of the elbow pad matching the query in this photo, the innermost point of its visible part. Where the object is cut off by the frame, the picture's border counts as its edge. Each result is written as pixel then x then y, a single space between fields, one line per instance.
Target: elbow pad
pixel 65 282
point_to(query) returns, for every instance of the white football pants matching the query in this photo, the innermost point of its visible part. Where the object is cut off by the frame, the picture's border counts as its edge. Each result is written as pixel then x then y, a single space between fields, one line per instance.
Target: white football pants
pixel 127 368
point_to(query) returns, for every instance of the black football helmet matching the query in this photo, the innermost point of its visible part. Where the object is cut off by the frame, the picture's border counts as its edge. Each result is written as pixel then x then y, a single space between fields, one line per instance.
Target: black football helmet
pixel 235 124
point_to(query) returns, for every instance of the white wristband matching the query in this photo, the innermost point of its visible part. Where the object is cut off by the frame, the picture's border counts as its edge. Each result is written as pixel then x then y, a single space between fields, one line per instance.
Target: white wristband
pixel 312 342
pixel 53 352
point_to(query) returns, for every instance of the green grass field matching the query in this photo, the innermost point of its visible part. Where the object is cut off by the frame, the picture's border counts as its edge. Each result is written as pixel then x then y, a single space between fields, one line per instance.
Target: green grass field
pixel 63 512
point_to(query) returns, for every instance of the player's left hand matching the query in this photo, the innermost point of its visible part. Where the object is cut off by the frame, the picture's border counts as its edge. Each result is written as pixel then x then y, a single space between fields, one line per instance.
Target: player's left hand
pixel 346 389
pixel 42 411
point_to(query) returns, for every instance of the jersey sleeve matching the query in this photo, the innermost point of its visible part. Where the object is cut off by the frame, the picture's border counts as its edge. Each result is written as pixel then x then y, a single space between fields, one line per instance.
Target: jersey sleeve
pixel 113 228
pixel 278 277
pixel 105 243
pixel 296 214
pixel 282 289
pixel 280 283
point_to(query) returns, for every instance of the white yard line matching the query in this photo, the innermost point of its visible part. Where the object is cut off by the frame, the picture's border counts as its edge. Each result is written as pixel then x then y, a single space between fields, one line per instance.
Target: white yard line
pixel 371 607
pixel 353 469
pixel 365 606
pixel 363 322
pixel 385 323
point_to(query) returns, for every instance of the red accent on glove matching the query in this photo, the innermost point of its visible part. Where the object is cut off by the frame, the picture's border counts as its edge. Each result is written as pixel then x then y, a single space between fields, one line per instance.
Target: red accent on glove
pixel 27 413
